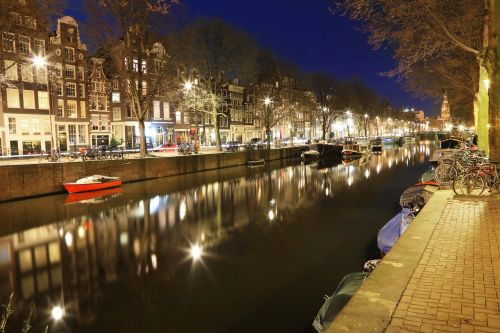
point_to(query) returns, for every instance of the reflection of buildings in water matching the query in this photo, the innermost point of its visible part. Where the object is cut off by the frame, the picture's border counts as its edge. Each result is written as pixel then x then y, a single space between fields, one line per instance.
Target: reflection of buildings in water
pixel 75 258
pixel 51 265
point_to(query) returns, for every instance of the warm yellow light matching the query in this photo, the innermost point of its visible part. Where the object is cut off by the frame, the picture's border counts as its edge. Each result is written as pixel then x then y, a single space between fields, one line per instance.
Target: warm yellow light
pixel 487 83
pixel 366 115
pixel 188 85
pixel 38 61
pixel 267 101
pixel 196 252
pixel 57 313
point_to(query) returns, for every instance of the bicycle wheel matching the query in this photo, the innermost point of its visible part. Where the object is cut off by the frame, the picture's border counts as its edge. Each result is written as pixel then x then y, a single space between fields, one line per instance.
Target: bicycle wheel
pixel 445 172
pixel 72 157
pixel 472 184
pixel 456 183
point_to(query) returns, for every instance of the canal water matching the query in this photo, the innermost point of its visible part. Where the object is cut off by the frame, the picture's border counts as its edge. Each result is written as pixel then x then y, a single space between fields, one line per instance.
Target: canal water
pixel 234 250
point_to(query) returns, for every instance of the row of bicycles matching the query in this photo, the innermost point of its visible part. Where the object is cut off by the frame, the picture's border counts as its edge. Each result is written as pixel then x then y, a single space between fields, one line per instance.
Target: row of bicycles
pixel 468 172
pixel 90 153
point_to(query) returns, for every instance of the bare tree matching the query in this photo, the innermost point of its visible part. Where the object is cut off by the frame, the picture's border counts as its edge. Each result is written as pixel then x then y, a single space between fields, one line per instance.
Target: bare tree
pixel 219 53
pixel 327 111
pixel 125 30
pixel 424 30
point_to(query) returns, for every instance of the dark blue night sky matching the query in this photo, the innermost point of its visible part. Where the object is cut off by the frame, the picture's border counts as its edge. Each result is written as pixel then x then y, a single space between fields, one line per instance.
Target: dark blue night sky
pixel 308 34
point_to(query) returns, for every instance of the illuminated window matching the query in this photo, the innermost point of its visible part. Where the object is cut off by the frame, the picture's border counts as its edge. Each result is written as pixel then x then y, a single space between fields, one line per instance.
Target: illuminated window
pixel 24 45
pixel 69 72
pixel 71 89
pixel 69 54
pixel 27 72
pixel 72 134
pixel 115 97
pixel 10 70
pixel 117 113
pixel 29 99
pixel 43 100
pixel 82 133
pixel 60 108
pixel 71 109
pixel 8 42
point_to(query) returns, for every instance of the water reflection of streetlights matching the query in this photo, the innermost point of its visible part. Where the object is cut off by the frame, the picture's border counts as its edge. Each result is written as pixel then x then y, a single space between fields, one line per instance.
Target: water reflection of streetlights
pixel 40 63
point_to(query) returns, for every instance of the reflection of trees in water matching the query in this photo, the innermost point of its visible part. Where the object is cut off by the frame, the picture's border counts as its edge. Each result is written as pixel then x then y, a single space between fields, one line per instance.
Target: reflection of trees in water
pixel 130 242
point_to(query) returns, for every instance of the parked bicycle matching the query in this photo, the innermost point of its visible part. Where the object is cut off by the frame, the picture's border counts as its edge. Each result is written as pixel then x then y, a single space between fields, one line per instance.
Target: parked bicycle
pixel 185 149
pixel 477 179
pixel 53 156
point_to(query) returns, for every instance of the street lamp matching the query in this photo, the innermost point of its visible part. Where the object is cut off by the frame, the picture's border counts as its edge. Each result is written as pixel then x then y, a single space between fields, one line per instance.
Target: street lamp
pixel 349 115
pixel 366 122
pixel 40 62
pixel 189 86
pixel 267 102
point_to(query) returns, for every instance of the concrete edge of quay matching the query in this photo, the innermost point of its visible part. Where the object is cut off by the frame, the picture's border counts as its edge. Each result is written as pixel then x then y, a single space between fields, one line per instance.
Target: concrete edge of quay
pixel 371 308
pixel 32 180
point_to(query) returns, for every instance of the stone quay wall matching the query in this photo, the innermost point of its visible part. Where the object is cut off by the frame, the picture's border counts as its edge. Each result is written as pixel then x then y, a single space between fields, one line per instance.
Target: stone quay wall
pixel 30 180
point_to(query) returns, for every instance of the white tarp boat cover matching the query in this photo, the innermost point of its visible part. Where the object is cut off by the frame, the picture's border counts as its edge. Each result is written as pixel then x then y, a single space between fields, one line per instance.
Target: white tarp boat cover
pixel 96 179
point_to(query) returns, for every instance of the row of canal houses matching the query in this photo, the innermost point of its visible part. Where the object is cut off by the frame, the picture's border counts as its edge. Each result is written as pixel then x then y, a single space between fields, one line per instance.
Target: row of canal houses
pixel 70 102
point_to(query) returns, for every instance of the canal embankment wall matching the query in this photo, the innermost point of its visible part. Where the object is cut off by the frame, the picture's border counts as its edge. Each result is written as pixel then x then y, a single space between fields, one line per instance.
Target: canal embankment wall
pixel 372 306
pixel 30 180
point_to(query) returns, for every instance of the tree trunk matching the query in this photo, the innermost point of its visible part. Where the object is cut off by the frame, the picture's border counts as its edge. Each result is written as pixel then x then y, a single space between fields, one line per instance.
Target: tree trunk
pixel 494 58
pixel 482 100
pixel 142 138
pixel 217 132
pixel 216 123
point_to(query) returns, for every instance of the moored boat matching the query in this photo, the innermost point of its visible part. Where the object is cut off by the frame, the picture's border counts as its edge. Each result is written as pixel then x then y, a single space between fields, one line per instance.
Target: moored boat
pixel 329 150
pixel 93 197
pixel 310 155
pixel 92 183
pixel 376 145
pixel 451 143
pixel 349 285
pixel 256 163
pixel 352 149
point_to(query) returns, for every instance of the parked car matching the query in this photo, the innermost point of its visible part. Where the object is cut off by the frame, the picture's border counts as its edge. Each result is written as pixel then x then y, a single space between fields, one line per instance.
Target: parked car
pixel 232 146
pixel 166 147
pixel 149 145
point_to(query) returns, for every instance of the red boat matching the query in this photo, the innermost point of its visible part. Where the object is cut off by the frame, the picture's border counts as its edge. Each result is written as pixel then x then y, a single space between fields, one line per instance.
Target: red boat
pixel 93 196
pixel 92 183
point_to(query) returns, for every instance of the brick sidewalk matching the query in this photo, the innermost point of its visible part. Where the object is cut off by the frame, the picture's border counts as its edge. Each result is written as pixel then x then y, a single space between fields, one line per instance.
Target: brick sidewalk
pixel 456 285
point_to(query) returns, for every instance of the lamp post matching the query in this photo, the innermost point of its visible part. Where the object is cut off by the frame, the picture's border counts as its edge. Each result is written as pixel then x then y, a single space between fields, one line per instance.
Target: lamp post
pixel 366 116
pixel 189 86
pixel 349 119
pixel 324 119
pixel 40 62
pixel 267 102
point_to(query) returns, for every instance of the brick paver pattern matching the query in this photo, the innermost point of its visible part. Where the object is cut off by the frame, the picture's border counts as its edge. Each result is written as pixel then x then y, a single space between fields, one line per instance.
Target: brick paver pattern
pixel 456 285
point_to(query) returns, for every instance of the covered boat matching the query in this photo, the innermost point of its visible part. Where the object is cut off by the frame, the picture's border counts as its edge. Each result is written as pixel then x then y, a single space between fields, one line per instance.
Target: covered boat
pixel 329 150
pixel 334 304
pixel 376 144
pixel 417 195
pixel 92 183
pixel 392 230
pixel 451 143
pixel 310 155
